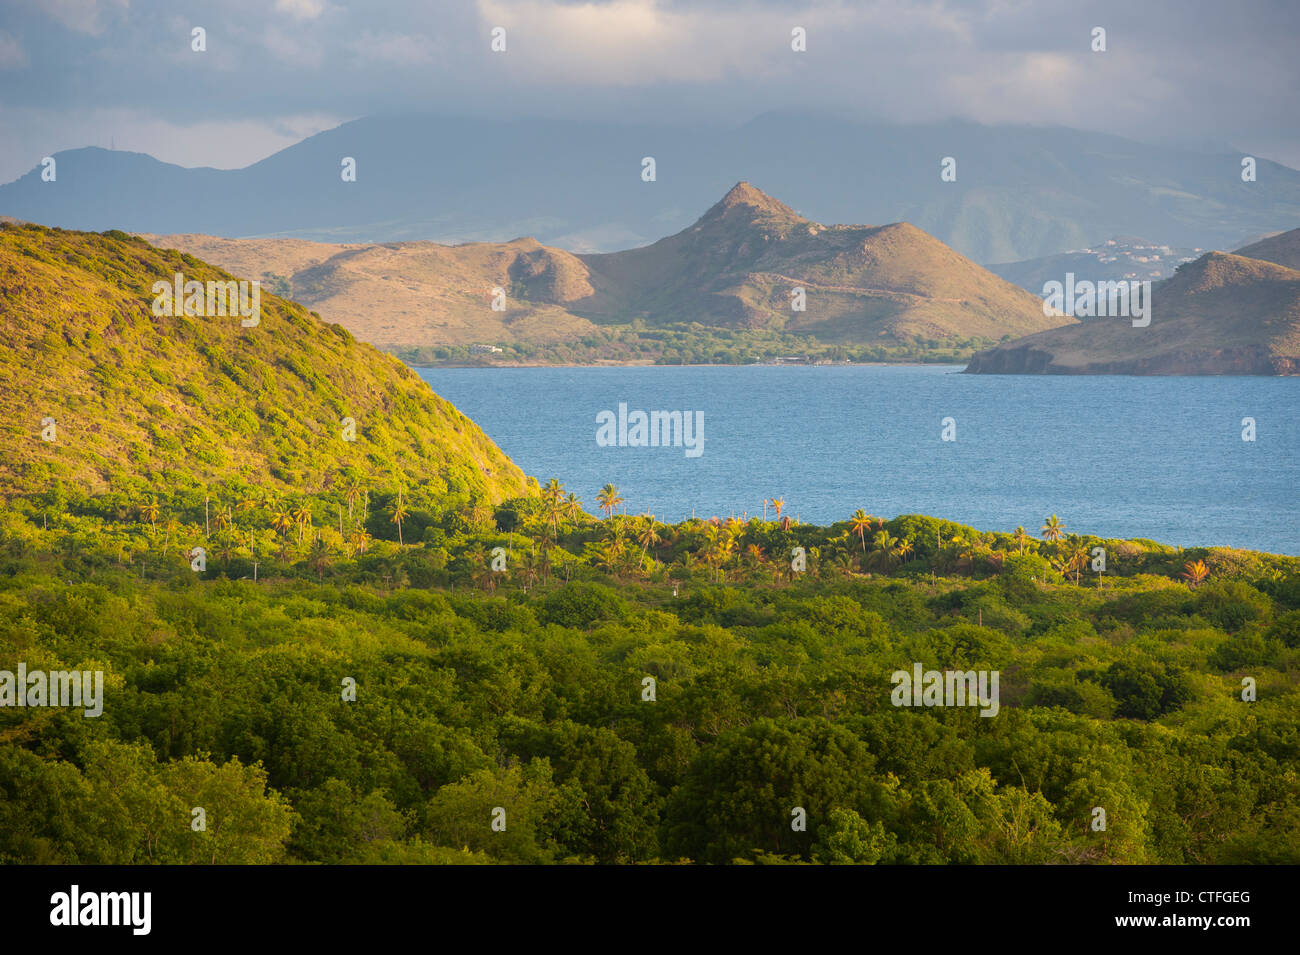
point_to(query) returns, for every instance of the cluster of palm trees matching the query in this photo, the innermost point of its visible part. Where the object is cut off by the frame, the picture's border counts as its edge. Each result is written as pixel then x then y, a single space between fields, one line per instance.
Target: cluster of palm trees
pixel 1070 554
pixel 629 545
pixel 290 522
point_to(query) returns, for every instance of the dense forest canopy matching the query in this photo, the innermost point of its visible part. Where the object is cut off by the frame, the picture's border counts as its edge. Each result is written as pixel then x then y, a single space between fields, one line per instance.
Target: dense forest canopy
pixel 523 691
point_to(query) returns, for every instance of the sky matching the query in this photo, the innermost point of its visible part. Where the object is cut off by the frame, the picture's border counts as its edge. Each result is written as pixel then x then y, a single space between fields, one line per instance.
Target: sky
pixel 122 73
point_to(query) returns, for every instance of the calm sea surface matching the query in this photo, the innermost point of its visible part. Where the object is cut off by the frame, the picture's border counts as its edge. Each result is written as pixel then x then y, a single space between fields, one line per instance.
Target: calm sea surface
pixel 1161 458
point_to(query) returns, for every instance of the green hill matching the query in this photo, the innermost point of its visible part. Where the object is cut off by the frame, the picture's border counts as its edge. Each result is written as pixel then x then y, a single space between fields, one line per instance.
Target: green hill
pixel 146 402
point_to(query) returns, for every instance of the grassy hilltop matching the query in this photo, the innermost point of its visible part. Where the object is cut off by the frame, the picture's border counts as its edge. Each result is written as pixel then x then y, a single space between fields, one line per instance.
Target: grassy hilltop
pixel 141 401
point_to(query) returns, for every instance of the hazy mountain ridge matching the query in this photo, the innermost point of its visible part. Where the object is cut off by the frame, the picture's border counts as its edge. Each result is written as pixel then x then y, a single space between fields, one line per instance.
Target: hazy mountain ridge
pixel 1119 258
pixel 1021 192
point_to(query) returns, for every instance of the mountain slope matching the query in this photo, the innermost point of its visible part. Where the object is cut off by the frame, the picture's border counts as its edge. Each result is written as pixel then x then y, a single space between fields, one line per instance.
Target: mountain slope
pixel 1021 191
pixel 738 264
pixel 1223 314
pixel 734 269
pixel 1281 249
pixel 145 400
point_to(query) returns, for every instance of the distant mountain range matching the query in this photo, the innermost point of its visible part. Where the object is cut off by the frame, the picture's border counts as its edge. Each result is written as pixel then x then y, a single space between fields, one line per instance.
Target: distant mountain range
pixel 1021 192
pixel 1122 257
pixel 1222 314
pixel 745 266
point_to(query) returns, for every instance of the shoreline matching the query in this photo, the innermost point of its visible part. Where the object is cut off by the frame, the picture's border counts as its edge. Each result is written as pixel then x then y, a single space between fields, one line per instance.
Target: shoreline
pixel 651 364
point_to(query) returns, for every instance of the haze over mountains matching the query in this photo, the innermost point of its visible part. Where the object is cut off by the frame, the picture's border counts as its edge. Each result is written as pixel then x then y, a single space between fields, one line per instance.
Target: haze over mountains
pixel 1021 192
pixel 1223 314
pixel 737 267
pixel 1123 257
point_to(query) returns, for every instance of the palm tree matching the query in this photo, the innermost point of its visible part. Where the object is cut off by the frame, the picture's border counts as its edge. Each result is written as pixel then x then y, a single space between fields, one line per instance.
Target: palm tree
pixel 1076 557
pixel 149 512
pixel 351 493
pixel 1053 529
pixel 227 548
pixel 246 503
pixel 359 539
pixel 1020 538
pixel 779 504
pixel 319 558
pixel 554 491
pixel 860 523
pixel 608 499
pixel 527 568
pixel 883 549
pixel 555 508
pixel 170 527
pixel 399 513
pixel 572 507
pixel 554 504
pixel 1195 572
pixel 904 549
pixel 609 554
pixel 282 523
pixel 647 535
pixel 301 515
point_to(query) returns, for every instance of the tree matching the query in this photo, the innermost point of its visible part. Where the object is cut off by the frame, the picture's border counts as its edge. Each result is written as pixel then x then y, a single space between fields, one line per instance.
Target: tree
pixel 319 558
pixel 738 794
pixel 884 551
pixel 1076 557
pixel 647 535
pixel 149 512
pixel 1021 539
pixel 399 514
pixel 860 523
pixel 1053 529
pixel 1195 572
pixel 608 499
pixel 301 515
pixel 351 493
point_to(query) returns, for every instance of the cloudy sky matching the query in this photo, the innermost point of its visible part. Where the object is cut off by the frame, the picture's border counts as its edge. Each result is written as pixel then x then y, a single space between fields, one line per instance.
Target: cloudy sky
pixel 122 72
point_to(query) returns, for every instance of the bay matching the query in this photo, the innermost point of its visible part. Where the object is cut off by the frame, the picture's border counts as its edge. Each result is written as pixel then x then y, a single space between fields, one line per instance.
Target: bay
pixel 1152 457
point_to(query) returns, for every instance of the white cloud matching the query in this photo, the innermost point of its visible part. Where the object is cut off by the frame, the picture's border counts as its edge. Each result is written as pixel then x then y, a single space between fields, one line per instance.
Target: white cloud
pixel 300 9
pixel 82 16
pixel 634 42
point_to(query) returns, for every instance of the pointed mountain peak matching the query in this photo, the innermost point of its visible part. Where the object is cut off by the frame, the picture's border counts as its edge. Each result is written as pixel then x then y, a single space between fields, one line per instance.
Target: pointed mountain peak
pixel 744 200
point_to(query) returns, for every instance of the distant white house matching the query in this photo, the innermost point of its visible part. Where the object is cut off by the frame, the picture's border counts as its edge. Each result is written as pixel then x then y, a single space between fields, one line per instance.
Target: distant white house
pixel 483 349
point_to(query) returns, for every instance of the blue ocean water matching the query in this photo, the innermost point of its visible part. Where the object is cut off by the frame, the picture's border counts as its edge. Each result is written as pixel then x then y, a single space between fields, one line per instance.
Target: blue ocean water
pixel 1161 458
